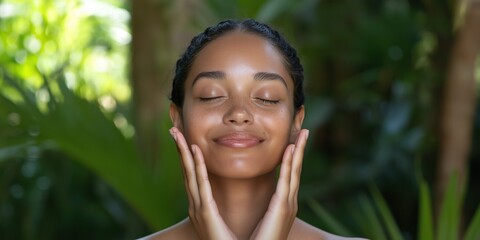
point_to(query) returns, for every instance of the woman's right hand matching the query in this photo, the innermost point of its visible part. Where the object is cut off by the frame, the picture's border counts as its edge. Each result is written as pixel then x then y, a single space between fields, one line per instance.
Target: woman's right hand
pixel 202 209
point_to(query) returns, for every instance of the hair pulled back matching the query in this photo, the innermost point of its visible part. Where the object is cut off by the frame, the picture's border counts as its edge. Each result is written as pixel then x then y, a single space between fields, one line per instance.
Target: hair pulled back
pixel 289 54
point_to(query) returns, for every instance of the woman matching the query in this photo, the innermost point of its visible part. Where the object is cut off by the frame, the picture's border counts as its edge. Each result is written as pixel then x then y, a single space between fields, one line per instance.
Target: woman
pixel 237 111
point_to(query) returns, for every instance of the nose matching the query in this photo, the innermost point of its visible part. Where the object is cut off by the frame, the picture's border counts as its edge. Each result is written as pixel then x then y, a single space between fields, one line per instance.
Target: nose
pixel 238 114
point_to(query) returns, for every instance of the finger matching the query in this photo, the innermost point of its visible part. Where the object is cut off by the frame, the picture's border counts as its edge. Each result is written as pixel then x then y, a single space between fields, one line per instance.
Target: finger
pixel 283 184
pixel 188 166
pixel 184 174
pixel 205 190
pixel 176 134
pixel 297 164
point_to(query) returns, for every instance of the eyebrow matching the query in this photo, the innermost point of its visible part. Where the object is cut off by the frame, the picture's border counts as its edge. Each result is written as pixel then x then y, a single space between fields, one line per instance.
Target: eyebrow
pixel 260 76
pixel 212 74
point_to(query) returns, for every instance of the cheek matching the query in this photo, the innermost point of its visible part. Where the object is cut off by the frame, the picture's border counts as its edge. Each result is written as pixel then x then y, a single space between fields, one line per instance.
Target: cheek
pixel 197 122
pixel 278 125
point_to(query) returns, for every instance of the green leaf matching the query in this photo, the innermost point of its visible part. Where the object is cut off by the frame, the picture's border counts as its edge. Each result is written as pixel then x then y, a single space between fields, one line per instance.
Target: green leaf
pixel 473 231
pixel 371 219
pixel 334 225
pixel 392 227
pixel 449 218
pixel 425 224
pixel 27 96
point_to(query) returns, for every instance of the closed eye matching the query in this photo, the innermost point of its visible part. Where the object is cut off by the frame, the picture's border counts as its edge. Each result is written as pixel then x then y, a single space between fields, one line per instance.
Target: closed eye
pixel 268 101
pixel 208 99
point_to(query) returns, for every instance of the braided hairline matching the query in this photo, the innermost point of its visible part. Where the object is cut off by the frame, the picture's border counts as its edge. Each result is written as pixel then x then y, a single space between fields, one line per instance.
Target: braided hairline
pixel 291 59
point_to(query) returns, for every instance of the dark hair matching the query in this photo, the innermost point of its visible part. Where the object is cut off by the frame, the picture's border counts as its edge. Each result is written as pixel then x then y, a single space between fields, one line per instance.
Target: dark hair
pixel 184 64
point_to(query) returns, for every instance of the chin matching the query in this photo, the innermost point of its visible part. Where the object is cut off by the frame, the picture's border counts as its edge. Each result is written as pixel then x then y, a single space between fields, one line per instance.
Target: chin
pixel 239 174
pixel 239 167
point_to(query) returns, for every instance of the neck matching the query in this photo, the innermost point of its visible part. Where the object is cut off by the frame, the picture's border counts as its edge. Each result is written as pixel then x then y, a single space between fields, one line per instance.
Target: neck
pixel 243 202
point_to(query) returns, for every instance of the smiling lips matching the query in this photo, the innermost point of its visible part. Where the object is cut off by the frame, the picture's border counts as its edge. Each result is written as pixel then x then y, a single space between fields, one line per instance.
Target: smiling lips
pixel 238 140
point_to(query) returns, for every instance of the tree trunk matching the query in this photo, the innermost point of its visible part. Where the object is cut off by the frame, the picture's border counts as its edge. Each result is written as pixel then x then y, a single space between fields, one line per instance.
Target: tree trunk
pixel 459 104
pixel 157 39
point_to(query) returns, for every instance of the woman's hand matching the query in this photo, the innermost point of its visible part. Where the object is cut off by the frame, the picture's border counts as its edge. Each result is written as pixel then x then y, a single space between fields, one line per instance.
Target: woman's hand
pixel 282 210
pixel 202 209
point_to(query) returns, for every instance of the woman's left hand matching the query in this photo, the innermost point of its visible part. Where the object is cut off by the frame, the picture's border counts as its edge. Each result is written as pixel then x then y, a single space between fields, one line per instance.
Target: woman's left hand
pixel 282 210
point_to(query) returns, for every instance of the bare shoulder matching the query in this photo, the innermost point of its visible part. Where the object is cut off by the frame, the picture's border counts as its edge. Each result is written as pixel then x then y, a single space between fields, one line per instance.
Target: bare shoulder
pixel 181 230
pixel 303 230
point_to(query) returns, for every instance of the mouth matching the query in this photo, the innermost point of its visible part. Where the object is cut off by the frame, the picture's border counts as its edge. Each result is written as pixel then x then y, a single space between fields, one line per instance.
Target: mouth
pixel 238 140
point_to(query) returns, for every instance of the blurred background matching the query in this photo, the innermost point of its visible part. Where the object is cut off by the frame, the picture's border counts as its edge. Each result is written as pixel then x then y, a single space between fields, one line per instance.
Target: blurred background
pixel 392 106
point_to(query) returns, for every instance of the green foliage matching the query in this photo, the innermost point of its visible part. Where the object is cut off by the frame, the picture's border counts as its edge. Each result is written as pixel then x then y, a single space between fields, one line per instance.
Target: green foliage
pixel 373 73
pixel 386 216
pixel 47 195
pixel 376 221
pixel 86 133
pixel 87 40
pixel 473 231
pixel 449 219
pixel 329 220
pixel 63 89
pixel 425 228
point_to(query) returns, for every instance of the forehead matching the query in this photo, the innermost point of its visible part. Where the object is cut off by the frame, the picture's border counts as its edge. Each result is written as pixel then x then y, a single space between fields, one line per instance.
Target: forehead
pixel 239 51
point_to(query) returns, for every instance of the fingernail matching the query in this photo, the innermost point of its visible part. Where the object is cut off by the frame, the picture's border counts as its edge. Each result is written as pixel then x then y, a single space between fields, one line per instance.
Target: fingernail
pixel 293 149
pixel 306 134
pixel 193 149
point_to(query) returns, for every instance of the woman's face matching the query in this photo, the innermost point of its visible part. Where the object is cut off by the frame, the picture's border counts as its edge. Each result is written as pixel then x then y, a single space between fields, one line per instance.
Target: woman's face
pixel 238 106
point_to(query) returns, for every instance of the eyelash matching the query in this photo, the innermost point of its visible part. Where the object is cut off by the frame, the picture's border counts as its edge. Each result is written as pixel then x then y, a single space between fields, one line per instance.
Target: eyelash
pixel 265 101
pixel 208 99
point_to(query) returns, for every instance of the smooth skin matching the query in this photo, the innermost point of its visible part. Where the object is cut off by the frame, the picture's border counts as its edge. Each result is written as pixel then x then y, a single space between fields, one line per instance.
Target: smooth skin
pixel 237 125
pixel 203 211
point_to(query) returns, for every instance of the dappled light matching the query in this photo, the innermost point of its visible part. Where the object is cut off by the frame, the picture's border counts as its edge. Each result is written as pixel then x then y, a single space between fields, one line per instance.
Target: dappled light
pixel 391 104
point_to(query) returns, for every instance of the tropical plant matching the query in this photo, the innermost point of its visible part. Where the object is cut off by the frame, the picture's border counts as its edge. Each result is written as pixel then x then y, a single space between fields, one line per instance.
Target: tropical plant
pixel 70 154
pixel 374 219
pixel 64 97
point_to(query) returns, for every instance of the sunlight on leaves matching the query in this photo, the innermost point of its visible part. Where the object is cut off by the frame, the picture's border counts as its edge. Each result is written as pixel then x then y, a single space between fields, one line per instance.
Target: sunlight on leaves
pixel 90 38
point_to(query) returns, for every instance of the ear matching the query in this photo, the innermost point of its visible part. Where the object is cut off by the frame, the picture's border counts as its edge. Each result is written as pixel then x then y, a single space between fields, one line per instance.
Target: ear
pixel 176 116
pixel 297 123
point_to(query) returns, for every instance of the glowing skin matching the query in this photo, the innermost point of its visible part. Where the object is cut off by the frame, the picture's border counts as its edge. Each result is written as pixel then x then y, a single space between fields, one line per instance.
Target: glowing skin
pixel 237 124
pixel 238 106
